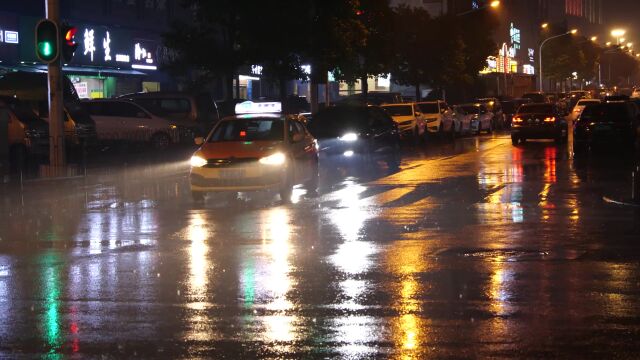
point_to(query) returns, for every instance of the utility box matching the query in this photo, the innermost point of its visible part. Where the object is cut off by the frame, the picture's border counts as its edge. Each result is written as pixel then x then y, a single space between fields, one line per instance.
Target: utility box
pixel 4 146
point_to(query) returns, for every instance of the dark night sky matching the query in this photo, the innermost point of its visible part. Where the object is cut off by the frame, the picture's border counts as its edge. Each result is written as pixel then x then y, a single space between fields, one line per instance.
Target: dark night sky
pixel 624 14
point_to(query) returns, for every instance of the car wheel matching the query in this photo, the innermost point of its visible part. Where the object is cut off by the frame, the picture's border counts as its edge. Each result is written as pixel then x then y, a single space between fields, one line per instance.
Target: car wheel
pixel 160 141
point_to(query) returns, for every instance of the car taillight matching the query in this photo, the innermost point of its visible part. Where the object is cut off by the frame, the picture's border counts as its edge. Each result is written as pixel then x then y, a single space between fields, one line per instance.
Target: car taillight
pixel 517 119
pixel 550 119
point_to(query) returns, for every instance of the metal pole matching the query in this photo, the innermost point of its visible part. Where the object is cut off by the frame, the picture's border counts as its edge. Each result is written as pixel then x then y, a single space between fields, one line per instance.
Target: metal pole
pixel 540 53
pixel 57 157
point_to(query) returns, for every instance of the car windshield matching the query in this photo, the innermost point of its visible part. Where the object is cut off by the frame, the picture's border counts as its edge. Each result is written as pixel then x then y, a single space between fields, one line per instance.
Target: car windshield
pixel 606 112
pixel 536 109
pixel 255 129
pixel 429 108
pixel 471 109
pixel 399 110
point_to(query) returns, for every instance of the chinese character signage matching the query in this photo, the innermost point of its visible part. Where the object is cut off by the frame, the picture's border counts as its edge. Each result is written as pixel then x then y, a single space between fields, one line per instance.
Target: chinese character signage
pixel 101 46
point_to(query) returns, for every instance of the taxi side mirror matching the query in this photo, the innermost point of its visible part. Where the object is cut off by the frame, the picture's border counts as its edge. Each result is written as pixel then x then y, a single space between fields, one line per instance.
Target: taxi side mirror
pixel 297 138
pixel 199 141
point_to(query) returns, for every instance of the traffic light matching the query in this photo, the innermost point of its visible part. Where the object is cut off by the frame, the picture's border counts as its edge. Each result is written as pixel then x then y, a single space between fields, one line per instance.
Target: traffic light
pixel 69 45
pixel 47 41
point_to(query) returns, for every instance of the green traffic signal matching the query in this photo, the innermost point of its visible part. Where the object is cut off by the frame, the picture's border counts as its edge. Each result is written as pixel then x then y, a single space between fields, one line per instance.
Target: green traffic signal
pixel 47 41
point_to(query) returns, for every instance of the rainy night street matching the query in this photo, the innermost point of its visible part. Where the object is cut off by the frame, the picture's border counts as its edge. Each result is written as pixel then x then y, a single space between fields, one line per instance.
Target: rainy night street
pixel 473 248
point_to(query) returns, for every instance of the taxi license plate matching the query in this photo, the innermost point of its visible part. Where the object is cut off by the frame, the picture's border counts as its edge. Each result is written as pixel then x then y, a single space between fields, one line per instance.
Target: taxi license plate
pixel 232 174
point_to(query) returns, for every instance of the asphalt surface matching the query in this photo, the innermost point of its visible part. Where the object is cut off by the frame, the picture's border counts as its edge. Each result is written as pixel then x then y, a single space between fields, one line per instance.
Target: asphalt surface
pixel 473 249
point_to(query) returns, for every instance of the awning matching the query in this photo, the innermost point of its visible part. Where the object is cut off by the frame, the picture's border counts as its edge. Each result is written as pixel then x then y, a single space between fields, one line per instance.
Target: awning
pixel 84 70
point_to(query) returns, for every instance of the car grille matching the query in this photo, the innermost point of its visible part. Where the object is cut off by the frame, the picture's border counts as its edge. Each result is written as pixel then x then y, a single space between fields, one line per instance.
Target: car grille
pixel 221 163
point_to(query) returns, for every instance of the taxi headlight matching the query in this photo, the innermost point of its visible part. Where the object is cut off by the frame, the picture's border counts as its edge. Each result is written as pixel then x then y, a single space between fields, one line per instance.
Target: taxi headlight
pixel 275 159
pixel 349 137
pixel 197 161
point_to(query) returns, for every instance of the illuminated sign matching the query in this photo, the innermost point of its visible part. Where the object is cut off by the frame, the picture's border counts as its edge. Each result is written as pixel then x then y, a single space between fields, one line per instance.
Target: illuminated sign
pixel 89 43
pixel 250 107
pixel 384 81
pixel 106 45
pixel 514 33
pixel 532 55
pixel 306 69
pixel 122 58
pixel 528 69
pixel 11 37
pixel 256 69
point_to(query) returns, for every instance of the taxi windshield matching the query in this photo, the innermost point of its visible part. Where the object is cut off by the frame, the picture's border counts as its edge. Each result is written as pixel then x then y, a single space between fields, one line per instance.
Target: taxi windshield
pixel 255 129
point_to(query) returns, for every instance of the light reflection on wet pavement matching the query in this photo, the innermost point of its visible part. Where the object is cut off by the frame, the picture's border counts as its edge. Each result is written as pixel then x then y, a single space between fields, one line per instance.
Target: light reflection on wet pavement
pixel 473 249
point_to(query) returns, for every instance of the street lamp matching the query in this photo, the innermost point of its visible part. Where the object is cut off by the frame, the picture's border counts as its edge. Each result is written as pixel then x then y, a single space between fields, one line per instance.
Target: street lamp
pixel 608 43
pixel 571 32
pixel 545 25
pixel 629 44
pixel 594 38
pixel 493 5
pixel 618 33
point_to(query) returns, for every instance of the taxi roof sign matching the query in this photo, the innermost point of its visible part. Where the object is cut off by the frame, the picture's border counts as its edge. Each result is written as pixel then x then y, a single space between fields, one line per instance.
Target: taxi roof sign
pixel 250 107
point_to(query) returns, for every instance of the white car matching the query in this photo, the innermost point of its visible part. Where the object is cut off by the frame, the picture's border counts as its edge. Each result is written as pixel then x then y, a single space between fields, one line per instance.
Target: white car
pixel 482 118
pixel 439 117
pixel 463 120
pixel 577 110
pixel 120 120
pixel 410 120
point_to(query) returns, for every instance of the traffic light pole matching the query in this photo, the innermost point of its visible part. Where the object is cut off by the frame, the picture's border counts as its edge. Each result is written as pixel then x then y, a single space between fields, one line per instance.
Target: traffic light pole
pixel 57 158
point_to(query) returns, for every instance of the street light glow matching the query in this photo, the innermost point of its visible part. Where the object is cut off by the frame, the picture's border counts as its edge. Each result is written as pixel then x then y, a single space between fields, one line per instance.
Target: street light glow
pixel 629 44
pixel 495 4
pixel 594 38
pixel 618 32
pixel 608 43
pixel 574 31
pixel 545 25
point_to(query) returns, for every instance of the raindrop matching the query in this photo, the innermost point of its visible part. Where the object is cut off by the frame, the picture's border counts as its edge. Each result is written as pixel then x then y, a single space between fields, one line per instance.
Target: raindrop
pixel 224 270
pixel 158 274
pixel 32 308
pixel 178 292
pixel 314 320
pixel 460 296
pixel 473 320
pixel 255 311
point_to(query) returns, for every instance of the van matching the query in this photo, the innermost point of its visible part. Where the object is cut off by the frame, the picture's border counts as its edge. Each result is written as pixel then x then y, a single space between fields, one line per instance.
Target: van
pixel 194 112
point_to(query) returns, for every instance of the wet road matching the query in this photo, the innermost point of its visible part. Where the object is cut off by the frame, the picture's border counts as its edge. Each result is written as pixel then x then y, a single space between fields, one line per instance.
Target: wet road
pixel 473 249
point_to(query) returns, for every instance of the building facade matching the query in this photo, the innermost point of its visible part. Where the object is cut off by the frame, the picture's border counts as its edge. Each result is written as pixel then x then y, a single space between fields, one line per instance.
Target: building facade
pixel 120 43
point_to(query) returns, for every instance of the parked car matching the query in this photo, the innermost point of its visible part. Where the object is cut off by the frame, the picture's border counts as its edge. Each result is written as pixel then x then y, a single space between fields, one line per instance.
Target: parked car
pixel 194 113
pixel 32 89
pixel 495 107
pixel 439 117
pixel 126 121
pixel 510 108
pixel 538 121
pixel 410 120
pixel 463 120
pixel 607 124
pixel 255 152
pixel 580 105
pixel 28 135
pixel 481 120
pixel 635 94
pixel 356 133
pixel 374 98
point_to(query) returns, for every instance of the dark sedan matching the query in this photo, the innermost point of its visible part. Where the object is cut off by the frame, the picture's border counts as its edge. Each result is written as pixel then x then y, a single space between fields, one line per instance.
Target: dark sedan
pixel 608 124
pixel 538 121
pixel 357 133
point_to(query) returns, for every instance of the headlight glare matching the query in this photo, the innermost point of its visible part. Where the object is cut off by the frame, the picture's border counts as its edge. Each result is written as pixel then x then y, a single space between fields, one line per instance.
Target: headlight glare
pixel 349 137
pixel 275 159
pixel 197 161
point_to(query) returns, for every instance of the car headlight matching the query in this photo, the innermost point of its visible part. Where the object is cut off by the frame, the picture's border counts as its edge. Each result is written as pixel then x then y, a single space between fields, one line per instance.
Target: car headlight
pixel 197 161
pixel 275 159
pixel 349 137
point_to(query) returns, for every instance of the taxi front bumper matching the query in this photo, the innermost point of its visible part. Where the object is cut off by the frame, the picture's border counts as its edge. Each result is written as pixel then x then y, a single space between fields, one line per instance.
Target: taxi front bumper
pixel 252 177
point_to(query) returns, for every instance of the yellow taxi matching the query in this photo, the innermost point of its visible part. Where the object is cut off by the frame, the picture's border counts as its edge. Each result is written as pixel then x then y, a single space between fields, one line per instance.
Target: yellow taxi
pixel 255 151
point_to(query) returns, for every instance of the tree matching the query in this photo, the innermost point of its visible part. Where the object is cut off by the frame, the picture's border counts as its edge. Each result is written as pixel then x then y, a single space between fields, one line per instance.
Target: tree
pixel 374 55
pixel 211 42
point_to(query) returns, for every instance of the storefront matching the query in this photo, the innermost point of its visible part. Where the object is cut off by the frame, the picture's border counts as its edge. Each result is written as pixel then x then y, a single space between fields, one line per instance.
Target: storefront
pixel 108 61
